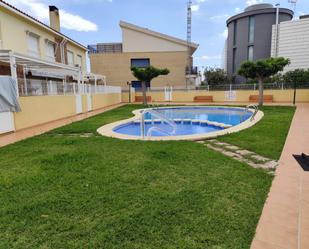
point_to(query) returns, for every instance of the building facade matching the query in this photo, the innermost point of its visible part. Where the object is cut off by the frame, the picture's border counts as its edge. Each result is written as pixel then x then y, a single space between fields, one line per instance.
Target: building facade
pixel 250 35
pixel 25 35
pixel 292 41
pixel 142 47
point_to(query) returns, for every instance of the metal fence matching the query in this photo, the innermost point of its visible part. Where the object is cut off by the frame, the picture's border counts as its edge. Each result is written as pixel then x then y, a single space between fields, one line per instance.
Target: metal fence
pixel 35 87
pixel 230 87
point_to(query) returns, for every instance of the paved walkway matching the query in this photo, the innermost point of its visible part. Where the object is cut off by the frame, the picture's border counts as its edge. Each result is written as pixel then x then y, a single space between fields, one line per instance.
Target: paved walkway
pixel 13 137
pixel 284 223
pixel 252 159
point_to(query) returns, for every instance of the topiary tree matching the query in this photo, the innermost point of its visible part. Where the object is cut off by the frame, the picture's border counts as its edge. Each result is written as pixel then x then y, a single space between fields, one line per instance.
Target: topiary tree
pixel 147 74
pixel 262 69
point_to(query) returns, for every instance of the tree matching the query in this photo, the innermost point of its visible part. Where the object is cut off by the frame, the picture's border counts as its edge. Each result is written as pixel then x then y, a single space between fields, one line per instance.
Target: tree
pixel 297 76
pixel 216 76
pixel 147 74
pixel 262 69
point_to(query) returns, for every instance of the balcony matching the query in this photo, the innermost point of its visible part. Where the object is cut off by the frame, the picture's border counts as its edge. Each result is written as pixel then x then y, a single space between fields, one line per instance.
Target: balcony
pixel 191 71
pixel 103 48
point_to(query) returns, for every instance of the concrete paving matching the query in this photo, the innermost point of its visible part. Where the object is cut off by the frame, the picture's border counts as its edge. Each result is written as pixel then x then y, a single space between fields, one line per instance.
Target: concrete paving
pixel 284 223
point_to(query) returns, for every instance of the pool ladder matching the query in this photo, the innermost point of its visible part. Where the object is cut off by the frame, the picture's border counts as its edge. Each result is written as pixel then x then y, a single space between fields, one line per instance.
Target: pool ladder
pixel 157 115
pixel 252 106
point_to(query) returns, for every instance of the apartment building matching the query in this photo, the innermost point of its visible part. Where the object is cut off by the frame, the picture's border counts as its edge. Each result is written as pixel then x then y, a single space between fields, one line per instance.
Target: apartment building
pixel 142 47
pixel 291 40
pixel 34 41
pixel 250 35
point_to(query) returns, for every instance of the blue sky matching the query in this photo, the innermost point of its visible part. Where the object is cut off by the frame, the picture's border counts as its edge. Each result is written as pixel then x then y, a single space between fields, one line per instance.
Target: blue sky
pixel 92 21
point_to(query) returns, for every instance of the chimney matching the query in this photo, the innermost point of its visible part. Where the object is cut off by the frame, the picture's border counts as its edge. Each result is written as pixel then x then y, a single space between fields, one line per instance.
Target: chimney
pixel 54 19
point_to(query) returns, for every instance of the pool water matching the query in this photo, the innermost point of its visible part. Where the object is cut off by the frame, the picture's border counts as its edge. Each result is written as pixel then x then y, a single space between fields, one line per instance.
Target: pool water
pixel 231 116
pixel 134 129
pixel 188 120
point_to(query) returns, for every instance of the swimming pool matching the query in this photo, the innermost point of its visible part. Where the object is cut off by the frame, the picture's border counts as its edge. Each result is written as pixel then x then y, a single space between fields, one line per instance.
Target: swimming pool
pixel 182 123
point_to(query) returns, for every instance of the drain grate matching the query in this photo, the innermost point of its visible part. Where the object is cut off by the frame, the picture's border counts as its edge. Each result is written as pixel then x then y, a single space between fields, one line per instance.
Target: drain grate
pixel 303 161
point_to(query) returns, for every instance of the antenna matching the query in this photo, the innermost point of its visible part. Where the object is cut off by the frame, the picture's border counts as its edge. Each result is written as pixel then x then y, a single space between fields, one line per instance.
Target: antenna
pixel 189 28
pixel 293 4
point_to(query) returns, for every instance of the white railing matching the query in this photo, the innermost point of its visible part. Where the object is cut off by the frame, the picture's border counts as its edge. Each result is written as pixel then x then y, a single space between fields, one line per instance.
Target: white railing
pixel 36 87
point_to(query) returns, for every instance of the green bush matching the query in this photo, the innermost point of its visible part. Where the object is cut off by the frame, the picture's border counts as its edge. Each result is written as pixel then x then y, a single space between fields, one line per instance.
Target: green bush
pixel 217 76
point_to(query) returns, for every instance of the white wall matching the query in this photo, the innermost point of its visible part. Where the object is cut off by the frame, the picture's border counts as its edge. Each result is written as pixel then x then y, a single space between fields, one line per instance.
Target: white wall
pixel 293 43
pixel 134 41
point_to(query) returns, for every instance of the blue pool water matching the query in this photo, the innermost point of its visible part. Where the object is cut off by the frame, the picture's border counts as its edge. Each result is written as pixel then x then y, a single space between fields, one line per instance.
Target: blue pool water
pixel 134 129
pixel 231 116
pixel 227 116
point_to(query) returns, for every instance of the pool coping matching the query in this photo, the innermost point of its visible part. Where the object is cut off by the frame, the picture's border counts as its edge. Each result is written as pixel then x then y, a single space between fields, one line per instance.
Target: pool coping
pixel 107 130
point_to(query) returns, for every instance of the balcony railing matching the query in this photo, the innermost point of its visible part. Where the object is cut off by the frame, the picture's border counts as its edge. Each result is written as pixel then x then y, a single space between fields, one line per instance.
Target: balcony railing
pixel 102 48
pixel 191 71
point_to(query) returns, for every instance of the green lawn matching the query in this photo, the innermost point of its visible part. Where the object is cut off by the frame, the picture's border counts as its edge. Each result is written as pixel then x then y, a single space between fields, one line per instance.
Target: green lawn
pixel 60 190
pixel 267 137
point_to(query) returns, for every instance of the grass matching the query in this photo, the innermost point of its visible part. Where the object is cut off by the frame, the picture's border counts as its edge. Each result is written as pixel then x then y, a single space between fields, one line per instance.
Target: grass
pixel 268 136
pixel 62 191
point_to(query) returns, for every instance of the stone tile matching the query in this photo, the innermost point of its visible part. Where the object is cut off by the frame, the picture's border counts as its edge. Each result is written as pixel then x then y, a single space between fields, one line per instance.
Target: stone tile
pixel 270 165
pixel 259 158
pixel 232 147
pixel 221 143
pixel 244 152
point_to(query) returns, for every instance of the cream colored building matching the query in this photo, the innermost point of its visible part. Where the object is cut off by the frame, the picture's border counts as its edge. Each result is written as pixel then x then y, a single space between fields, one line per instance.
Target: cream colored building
pixel 27 36
pixel 291 40
pixel 143 47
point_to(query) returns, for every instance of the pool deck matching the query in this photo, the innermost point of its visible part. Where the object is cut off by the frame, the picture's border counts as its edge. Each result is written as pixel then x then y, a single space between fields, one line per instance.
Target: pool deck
pixel 284 223
pixel 13 137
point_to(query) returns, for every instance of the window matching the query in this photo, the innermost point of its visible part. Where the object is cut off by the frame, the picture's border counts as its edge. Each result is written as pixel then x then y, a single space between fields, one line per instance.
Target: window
pixel 234 60
pixel 50 50
pixel 33 44
pixel 235 33
pixel 140 62
pixel 250 53
pixel 138 84
pixel 79 60
pixel 251 29
pixel 70 57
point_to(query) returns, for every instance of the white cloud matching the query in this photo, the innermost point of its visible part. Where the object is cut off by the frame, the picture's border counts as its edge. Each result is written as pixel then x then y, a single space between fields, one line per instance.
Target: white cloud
pixel 67 20
pixel 219 17
pixel 237 10
pixel 209 57
pixel 224 33
pixel 251 2
pixel 195 8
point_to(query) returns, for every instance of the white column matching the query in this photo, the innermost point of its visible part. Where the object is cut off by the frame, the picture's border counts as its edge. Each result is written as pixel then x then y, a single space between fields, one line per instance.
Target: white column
pixel 79 82
pixel 13 67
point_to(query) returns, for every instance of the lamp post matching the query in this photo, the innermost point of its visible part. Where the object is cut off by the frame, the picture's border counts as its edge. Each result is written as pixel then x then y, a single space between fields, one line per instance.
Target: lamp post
pixel 129 84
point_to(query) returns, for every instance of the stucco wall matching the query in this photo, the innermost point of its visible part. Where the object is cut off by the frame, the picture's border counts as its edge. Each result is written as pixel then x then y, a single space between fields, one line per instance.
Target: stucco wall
pixel 283 96
pixel 103 100
pixel 116 67
pixel 42 109
pixel 134 41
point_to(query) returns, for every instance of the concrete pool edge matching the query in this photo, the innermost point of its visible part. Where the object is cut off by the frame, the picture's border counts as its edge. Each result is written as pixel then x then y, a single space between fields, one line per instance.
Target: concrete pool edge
pixel 107 130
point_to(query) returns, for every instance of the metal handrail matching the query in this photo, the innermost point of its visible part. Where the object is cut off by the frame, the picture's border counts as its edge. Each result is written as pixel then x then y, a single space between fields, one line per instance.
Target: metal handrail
pixel 256 109
pixel 156 114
